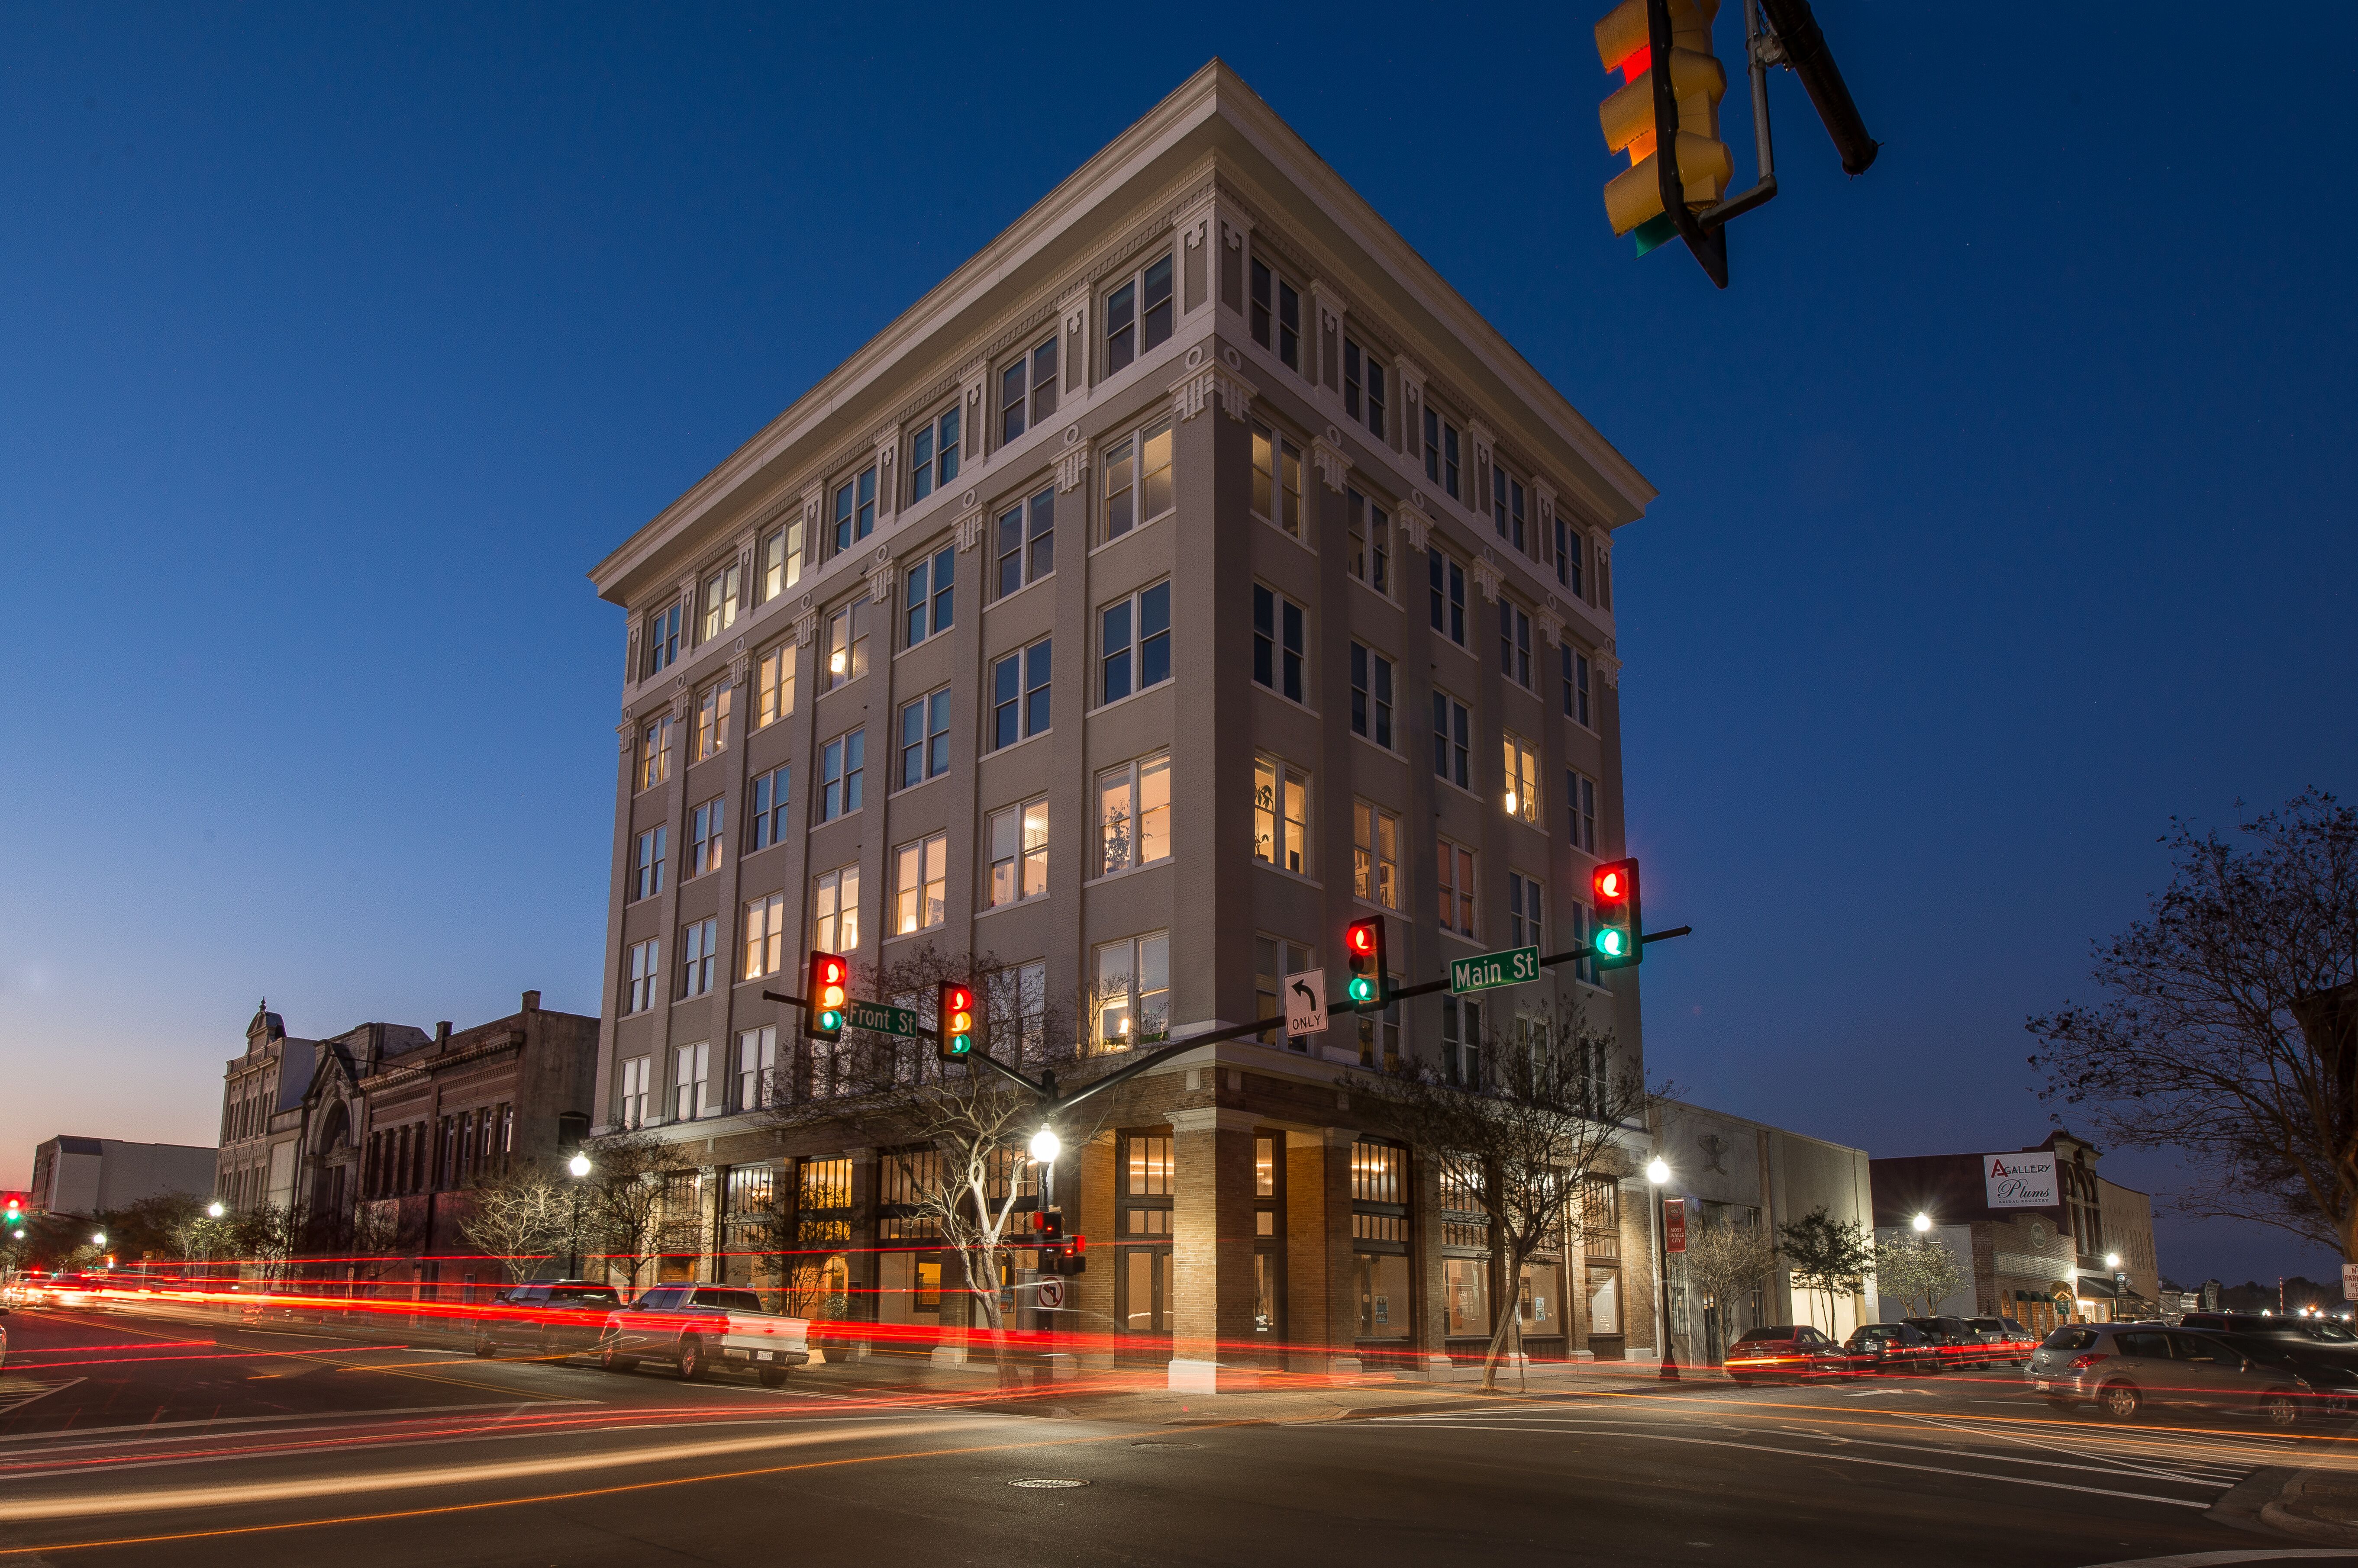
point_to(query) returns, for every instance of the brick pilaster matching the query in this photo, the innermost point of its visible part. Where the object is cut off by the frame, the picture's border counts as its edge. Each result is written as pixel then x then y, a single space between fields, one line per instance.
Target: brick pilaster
pixel 1212 1250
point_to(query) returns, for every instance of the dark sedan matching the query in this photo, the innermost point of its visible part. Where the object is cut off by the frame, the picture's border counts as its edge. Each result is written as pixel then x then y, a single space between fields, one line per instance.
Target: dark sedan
pixel 556 1318
pixel 1959 1346
pixel 1890 1350
pixel 1796 1351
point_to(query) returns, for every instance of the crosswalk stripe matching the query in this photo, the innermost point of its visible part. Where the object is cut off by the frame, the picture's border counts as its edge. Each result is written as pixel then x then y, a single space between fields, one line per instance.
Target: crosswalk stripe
pixel 15 1394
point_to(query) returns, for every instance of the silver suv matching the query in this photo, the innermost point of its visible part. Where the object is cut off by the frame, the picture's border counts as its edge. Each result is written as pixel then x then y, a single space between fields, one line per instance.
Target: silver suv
pixel 2121 1367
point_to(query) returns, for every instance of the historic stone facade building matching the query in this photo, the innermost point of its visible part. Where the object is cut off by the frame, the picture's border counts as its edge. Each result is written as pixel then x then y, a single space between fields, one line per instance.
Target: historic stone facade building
pixel 1189 574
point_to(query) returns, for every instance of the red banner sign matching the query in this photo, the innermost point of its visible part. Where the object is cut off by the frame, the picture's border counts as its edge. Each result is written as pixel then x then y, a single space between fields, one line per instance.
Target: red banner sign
pixel 1674 1225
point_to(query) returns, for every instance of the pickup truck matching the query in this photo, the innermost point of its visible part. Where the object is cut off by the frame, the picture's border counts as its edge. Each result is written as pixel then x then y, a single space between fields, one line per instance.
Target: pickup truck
pixel 699 1326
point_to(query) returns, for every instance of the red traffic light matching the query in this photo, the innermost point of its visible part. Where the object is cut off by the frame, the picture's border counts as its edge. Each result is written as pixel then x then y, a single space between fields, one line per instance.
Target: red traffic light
pixel 1612 884
pixel 1363 938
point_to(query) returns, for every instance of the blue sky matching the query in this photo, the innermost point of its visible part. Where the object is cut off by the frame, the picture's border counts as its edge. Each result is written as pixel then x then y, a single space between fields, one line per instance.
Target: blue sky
pixel 2005 497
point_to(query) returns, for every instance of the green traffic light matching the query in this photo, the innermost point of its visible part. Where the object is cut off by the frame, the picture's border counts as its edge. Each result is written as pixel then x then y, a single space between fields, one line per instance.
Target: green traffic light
pixel 830 1021
pixel 1611 942
pixel 1362 988
pixel 961 1043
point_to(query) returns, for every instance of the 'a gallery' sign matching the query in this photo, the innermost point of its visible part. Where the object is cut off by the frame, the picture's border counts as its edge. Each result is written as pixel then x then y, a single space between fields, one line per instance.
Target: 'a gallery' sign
pixel 2020 1181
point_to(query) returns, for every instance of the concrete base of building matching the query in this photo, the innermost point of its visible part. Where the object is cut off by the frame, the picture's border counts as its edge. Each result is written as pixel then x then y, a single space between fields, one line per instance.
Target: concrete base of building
pixel 1188 1376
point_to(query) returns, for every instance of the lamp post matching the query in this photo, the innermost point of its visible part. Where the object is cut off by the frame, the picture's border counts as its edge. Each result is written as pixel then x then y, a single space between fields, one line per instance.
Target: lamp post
pixel 1658 1175
pixel 578 1168
pixel 1921 1223
pixel 2120 1278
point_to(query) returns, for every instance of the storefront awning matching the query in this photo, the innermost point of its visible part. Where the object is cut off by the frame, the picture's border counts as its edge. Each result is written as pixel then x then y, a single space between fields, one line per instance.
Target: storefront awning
pixel 2097 1285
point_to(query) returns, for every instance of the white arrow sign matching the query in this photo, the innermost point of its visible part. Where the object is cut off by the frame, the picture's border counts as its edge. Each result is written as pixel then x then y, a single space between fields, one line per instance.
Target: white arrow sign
pixel 1052 1295
pixel 1305 1002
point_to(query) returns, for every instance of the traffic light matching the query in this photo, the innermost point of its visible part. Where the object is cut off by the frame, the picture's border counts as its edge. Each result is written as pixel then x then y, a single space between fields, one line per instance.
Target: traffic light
pixel 1059 1253
pixel 960 1020
pixel 1070 1259
pixel 1047 1225
pixel 826 995
pixel 1695 82
pixel 1617 940
pixel 1364 940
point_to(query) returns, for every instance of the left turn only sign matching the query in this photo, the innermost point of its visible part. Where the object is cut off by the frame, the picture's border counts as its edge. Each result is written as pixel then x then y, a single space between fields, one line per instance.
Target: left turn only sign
pixel 1305 1002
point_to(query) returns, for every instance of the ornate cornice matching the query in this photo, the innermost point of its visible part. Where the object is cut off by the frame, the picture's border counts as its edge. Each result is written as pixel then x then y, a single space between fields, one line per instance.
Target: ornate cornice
pixel 1333 461
pixel 1415 527
pixel 1191 392
pixel 1486 575
pixel 1073 462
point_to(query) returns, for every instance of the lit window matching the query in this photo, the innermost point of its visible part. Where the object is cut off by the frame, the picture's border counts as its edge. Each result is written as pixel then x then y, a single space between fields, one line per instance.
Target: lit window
pixel 1520 770
pixel 1134 815
pixel 1374 854
pixel 767 826
pixel 783 552
pixel 1027 391
pixel 855 509
pixel 698 956
pixel 1455 867
pixel 921 884
pixel 841 763
pixel 1027 541
pixel 692 1082
pixel 844 656
pixel 707 827
pixel 1280 815
pixel 719 603
pixel 834 910
pixel 1134 642
pixel 1452 732
pixel 933 455
pixel 1019 852
pixel 1371 696
pixel 1138 478
pixel 765 936
pixel 926 738
pixel 1138 313
pixel 773 685
pixel 712 707
pixel 927 597
pixel 1276 480
pixel 1133 992
pixel 1278 639
pixel 655 753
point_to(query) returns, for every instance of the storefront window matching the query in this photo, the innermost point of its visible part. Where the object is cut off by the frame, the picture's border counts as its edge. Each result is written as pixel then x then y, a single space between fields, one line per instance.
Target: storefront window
pixel 1466 1294
pixel 1604 1300
pixel 1142 1267
pixel 1383 1295
pixel 1540 1302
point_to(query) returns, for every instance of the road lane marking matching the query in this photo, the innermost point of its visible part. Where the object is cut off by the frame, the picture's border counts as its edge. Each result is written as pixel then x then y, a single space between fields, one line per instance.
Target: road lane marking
pixel 2219 1558
pixel 16 1396
pixel 1834 1459
pixel 211 1422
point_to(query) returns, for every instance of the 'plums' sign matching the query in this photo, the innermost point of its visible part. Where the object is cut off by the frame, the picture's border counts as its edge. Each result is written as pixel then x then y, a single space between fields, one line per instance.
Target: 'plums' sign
pixel 2020 1181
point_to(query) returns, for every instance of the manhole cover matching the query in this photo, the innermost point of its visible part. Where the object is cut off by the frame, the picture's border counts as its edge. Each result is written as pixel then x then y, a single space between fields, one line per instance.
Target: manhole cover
pixel 1049 1482
pixel 1166 1446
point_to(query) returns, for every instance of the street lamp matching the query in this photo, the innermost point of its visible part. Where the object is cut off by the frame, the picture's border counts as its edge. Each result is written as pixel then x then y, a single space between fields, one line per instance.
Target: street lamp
pixel 1922 1222
pixel 214 1210
pixel 577 1167
pixel 2112 1259
pixel 1046 1146
pixel 98 1239
pixel 1657 1174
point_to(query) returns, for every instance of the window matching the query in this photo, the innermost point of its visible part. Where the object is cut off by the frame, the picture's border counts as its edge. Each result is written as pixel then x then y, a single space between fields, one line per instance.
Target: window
pixel 1371 696
pixel 1027 391
pixel 655 753
pixel 1448 597
pixel 926 599
pixel 1520 768
pixel 706 836
pixel 1274 960
pixel 1461 1041
pixel 1379 1035
pixel 1440 452
pixel 1138 315
pixel 784 550
pixel 1280 815
pixel 691 1082
pixel 1569 544
pixel 1452 731
pixel 765 936
pixel 1276 480
pixel 1018 696
pixel 1507 505
pixel 1019 852
pixel 712 720
pixel 1575 684
pixel 1017 1021
pixel 1027 541
pixel 834 921
pixel 1144 1301
pixel 1371 543
pixel 855 509
pixel 1134 815
pixel 921 884
pixel 1523 926
pixel 1138 478
pixel 1456 875
pixel 1514 644
pixel 926 738
pixel 768 824
pixel 1134 990
pixel 840 764
pixel 721 602
pixel 630 1093
pixel 933 455
pixel 1134 642
pixel 1580 794
pixel 773 685
pixel 661 637
pixel 698 958
pixel 757 1074
pixel 646 974
pixel 1363 387
pixel 1277 642
pixel 846 649
pixel 647 874
pixel 1577 919
pixel 1276 315
pixel 1374 854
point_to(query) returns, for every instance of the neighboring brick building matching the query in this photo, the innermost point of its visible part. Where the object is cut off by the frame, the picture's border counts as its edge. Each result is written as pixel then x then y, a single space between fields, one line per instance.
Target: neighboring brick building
pixel 1192 572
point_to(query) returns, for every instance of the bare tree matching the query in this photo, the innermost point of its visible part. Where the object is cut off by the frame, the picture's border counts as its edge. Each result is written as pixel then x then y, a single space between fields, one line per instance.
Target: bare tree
pixel 1918 1272
pixel 1552 1102
pixel 1826 1256
pixel 268 1235
pixel 2232 1030
pixel 622 1210
pixel 518 1217
pixel 1728 1262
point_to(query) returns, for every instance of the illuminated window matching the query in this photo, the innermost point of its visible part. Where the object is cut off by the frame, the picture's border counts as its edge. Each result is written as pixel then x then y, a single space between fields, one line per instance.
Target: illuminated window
pixel 920 885
pixel 1019 852
pixel 1374 854
pixel 773 685
pixel 844 656
pixel 1134 815
pixel 721 602
pixel 712 707
pixel 1276 480
pixel 1138 478
pixel 1133 992
pixel 655 753
pixel 783 558
pixel 1280 815
pixel 1520 777
pixel 765 936
pixel 834 910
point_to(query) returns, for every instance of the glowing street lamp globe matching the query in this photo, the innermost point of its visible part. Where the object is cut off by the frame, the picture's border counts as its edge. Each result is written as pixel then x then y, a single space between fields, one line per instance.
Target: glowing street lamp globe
pixel 214 1210
pixel 1922 1222
pixel 1657 1170
pixel 579 1165
pixel 1046 1146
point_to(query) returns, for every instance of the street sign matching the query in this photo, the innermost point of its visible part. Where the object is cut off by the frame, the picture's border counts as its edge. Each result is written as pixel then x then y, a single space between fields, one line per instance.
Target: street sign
pixel 1305 1002
pixel 1508 967
pixel 2350 1281
pixel 883 1020
pixel 1052 1295
pixel 1674 1225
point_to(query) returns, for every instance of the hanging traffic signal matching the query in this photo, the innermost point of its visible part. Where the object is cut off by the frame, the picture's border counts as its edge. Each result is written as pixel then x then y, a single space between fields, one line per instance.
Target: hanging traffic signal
pixel 826 995
pixel 1617 943
pixel 1068 1259
pixel 1688 84
pixel 960 1020
pixel 1364 941
pixel 1048 1227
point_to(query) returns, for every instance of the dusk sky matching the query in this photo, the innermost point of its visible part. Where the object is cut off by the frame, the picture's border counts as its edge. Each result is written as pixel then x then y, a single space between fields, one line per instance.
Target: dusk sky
pixel 2005 497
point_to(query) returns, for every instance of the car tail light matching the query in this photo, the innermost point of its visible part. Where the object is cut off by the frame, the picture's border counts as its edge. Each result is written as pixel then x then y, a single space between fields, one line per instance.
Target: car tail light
pixel 2081 1363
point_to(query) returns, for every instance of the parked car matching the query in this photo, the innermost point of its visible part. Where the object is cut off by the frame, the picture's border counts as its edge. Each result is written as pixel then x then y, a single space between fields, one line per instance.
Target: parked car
pixel 1890 1350
pixel 2333 1375
pixel 2014 1341
pixel 3 1339
pixel 2121 1367
pixel 1958 1344
pixel 1797 1350
pixel 556 1318
pixel 2313 1333
pixel 699 1326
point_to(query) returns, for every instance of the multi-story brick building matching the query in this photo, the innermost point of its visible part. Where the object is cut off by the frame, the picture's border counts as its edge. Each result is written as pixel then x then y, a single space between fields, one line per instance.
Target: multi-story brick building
pixel 1199 572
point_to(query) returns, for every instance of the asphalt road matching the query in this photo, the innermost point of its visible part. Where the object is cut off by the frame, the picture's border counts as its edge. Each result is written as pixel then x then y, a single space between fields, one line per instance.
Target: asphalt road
pixel 138 1440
